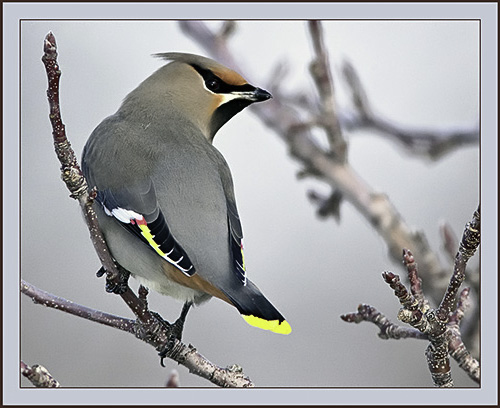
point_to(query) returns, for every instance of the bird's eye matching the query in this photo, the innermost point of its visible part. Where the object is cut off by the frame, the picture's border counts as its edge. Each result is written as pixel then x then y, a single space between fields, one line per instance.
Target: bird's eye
pixel 212 84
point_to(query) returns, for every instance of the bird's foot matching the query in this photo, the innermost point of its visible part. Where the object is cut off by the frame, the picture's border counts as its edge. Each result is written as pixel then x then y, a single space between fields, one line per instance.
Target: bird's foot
pixel 174 330
pixel 119 285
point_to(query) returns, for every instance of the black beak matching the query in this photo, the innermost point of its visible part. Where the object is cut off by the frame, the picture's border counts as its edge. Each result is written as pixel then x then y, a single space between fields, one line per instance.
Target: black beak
pixel 260 95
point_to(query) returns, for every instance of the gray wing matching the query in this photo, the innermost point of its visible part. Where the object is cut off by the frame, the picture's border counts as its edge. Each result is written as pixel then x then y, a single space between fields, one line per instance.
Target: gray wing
pixel 134 205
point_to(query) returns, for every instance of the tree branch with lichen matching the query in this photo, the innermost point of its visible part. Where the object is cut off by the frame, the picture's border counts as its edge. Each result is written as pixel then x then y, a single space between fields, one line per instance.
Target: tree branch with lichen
pixel 39 376
pixel 440 326
pixel 147 326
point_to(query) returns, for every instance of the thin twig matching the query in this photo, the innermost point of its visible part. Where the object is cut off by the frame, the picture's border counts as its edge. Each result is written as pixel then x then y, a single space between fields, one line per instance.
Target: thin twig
pixel 71 172
pixel 388 330
pixel 415 281
pixel 49 300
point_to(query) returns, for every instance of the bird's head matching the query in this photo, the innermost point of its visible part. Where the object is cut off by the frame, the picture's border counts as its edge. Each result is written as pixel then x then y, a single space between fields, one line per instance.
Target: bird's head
pixel 203 91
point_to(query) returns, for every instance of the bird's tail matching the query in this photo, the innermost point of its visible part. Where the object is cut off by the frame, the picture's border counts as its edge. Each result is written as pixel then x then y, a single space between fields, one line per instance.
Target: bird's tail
pixel 257 310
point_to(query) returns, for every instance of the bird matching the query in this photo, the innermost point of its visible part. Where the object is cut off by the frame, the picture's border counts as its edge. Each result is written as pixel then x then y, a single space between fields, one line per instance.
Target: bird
pixel 165 197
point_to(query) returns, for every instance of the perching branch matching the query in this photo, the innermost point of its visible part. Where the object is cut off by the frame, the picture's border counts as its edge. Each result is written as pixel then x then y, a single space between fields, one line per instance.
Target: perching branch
pixel 441 326
pixel 151 332
pixel 70 170
pixel 147 327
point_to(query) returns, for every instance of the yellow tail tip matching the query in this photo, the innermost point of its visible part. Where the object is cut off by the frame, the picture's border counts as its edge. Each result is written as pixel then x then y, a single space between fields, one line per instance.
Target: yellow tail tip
pixel 272 325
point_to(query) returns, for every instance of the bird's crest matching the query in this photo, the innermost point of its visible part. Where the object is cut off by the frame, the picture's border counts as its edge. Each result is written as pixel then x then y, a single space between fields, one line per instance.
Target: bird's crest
pixel 226 74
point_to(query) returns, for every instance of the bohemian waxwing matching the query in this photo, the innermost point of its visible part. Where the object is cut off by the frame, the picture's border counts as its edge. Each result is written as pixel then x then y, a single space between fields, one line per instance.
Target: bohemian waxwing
pixel 165 194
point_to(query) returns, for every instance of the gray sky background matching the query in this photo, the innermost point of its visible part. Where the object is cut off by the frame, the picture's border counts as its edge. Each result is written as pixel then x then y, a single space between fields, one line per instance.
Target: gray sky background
pixel 418 73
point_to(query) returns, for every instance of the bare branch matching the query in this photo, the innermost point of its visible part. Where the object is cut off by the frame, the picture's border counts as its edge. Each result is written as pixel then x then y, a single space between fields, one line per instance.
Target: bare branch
pixel 388 330
pixel 41 297
pixel 441 325
pixel 321 73
pixel 428 322
pixel 39 376
pixel 152 332
pixel 431 143
pixel 71 172
pixel 76 183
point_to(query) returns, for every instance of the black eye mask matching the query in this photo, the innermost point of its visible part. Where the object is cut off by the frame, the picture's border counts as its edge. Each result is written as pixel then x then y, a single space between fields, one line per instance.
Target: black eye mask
pixel 217 85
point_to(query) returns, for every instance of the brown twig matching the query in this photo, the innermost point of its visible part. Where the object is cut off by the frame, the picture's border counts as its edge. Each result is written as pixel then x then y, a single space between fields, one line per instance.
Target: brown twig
pixel 39 376
pixel 147 327
pixel 75 181
pixel 415 281
pixel 70 170
pixel 388 330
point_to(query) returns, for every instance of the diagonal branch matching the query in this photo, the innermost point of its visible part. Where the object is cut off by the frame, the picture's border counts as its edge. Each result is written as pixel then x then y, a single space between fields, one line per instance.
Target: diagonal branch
pixel 283 118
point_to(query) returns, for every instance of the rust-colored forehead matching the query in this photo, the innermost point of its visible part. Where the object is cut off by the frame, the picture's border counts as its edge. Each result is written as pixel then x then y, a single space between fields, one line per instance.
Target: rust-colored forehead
pixel 229 76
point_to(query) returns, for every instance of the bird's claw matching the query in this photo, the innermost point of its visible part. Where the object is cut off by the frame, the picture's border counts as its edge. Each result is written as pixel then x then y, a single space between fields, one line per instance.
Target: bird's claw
pixel 174 332
pixel 119 285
